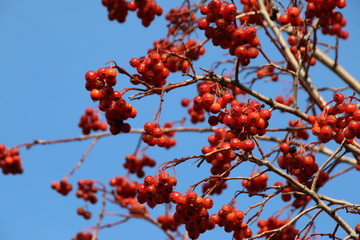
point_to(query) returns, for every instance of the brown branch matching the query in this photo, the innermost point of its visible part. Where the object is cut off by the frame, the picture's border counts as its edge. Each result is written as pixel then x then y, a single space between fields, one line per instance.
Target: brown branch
pixel 332 156
pixel 77 166
pixel 308 84
pixel 302 188
pixel 338 70
pixel 320 149
pixel 105 134
pixel 271 102
pixel 101 215
pixel 275 231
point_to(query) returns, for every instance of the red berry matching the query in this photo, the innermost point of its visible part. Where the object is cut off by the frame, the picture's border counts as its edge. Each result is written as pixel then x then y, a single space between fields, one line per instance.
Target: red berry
pixel 338 98
pixel 247 145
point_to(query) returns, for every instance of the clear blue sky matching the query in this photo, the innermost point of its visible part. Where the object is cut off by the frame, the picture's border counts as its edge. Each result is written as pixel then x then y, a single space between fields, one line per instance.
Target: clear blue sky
pixel 45 49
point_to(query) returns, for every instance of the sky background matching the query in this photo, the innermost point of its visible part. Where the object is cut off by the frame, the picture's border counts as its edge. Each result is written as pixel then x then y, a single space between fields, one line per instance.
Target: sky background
pixel 45 49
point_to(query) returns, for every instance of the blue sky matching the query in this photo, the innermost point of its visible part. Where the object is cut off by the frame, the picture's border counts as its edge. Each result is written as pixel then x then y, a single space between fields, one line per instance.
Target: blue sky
pixel 45 49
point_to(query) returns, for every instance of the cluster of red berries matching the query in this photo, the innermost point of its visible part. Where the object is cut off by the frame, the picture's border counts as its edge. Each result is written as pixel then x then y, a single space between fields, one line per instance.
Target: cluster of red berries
pixel 232 220
pixel 195 116
pixel 10 161
pixel 63 187
pixel 192 210
pixel 245 119
pixel 338 122
pixel 289 233
pixel 214 186
pixel 123 188
pixel 147 10
pixel 219 153
pixel 330 20
pixel 296 163
pixel 288 192
pixel 267 71
pixel 136 165
pixel 91 121
pixel 255 183
pixel 87 190
pixel 124 194
pixel 250 6
pixel 82 212
pixel 134 206
pixel 301 133
pixel 100 84
pixel 156 190
pixel 83 236
pixel 180 19
pixel 205 101
pixel 151 70
pixel 154 135
pixel 176 55
pixel 241 42
pixel 301 50
pixel 292 16
pixel 167 222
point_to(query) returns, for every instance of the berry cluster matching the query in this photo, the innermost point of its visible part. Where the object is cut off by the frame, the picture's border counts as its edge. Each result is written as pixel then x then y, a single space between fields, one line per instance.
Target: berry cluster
pixel 301 50
pixel 62 187
pixel 167 222
pixel 82 212
pixel 151 70
pixel 301 133
pixel 338 122
pixel 123 188
pixel 180 19
pixel 176 55
pixel 135 207
pixel 195 116
pixel 296 163
pixel 100 84
pixel 83 236
pixel 292 16
pixel 271 223
pixel 147 10
pixel 241 42
pixel 330 20
pixel 124 195
pixel 219 159
pixel 156 190
pixel 10 161
pixel 206 101
pixel 300 199
pixel 154 135
pixel 255 183
pixel 87 190
pixel 192 210
pixel 245 119
pixel 90 121
pixel 136 165
pixel 251 6
pixel 232 220
pixel 214 186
